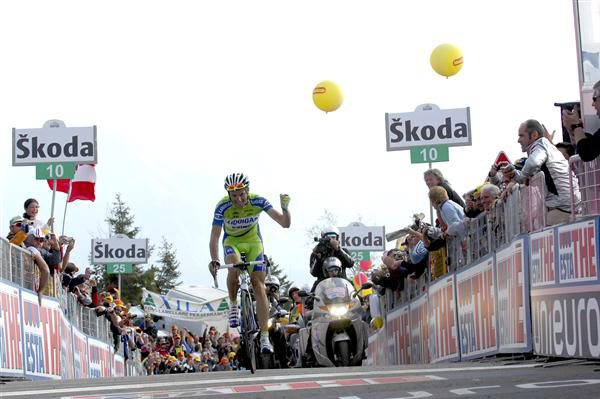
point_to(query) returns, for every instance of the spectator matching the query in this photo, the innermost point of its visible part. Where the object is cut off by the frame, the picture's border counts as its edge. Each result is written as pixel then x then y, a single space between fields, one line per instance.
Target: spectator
pixel 452 214
pixel 544 156
pixel 80 279
pixel 177 346
pixel 433 177
pixel 17 234
pixel 473 205
pixel 32 208
pixel 567 149
pixel 34 241
pixel 68 274
pixel 588 146
pixel 489 193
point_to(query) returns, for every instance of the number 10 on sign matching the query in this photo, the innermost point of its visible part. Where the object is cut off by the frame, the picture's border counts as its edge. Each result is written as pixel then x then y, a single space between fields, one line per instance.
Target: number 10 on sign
pixel 432 153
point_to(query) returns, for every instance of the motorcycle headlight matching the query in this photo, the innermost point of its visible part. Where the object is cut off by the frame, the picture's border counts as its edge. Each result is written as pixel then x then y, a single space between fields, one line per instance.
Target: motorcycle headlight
pixel 270 323
pixel 338 310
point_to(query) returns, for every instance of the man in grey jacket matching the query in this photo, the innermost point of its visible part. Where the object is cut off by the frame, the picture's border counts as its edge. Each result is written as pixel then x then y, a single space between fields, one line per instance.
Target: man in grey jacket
pixel 544 156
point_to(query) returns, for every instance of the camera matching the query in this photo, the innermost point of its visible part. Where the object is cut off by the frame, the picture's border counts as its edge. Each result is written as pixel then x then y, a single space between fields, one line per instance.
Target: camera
pixel 25 227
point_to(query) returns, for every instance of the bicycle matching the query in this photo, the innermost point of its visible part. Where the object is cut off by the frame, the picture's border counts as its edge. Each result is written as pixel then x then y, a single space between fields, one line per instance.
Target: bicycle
pixel 249 327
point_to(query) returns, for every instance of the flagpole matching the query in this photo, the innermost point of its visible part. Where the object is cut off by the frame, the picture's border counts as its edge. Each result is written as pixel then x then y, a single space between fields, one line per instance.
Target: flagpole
pixel 66 203
pixel 52 211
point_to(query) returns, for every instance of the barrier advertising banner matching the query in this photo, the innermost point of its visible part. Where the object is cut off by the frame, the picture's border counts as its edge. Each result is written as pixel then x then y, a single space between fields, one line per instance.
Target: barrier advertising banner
pixel 81 357
pixel 566 313
pixel 443 331
pixel 512 282
pixel 419 330
pixel 118 369
pixel 541 255
pixel 377 350
pixel 11 345
pixel 100 361
pixel 66 345
pixel 41 327
pixel 476 299
pixel 398 336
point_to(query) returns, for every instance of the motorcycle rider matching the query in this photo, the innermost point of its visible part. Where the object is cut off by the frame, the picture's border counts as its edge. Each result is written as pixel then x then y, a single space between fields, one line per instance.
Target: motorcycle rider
pixel 329 246
pixel 272 285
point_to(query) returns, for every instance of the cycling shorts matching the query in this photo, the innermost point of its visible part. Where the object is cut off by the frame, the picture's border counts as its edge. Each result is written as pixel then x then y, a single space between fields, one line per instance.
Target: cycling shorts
pixel 251 246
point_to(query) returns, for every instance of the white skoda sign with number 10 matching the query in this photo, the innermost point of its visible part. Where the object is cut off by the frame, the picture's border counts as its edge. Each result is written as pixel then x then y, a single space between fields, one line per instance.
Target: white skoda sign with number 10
pixel 119 250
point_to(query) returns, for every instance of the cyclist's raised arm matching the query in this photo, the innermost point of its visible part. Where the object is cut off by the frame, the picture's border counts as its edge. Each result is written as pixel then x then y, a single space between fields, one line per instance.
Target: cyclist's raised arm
pixel 215 233
pixel 284 218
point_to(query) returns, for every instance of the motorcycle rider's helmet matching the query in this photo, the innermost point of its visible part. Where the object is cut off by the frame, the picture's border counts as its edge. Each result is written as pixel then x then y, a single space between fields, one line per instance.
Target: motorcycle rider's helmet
pixel 332 267
pixel 292 289
pixel 236 181
pixel 331 231
pixel 272 284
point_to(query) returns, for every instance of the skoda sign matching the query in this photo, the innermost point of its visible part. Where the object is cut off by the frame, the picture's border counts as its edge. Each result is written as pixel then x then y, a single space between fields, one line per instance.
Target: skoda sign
pixel 450 127
pixel 119 250
pixel 358 237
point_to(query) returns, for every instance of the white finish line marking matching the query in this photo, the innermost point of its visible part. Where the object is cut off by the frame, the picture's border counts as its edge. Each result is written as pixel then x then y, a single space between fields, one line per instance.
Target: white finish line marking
pixel 470 391
pixel 239 389
pixel 105 388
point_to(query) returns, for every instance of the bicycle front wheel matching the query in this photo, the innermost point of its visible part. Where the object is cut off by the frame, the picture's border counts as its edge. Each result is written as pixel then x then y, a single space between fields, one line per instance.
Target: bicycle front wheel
pixel 249 333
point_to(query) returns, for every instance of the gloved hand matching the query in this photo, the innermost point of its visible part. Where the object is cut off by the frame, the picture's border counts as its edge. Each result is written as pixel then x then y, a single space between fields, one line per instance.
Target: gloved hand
pixel 285 201
pixel 213 266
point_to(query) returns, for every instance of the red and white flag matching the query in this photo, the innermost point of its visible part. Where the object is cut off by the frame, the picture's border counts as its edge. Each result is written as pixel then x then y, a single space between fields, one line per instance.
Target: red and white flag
pixel 82 186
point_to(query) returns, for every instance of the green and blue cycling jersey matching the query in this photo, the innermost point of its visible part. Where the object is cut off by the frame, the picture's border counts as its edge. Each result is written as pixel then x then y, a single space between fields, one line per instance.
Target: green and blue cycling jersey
pixel 240 225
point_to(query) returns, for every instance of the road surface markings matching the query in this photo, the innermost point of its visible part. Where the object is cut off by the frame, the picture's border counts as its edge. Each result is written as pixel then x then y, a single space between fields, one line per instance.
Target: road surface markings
pixel 557 384
pixel 106 387
pixel 470 391
pixel 237 389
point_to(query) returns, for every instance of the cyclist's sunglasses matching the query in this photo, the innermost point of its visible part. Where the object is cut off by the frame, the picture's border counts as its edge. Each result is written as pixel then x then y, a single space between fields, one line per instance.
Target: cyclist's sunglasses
pixel 595 98
pixel 233 187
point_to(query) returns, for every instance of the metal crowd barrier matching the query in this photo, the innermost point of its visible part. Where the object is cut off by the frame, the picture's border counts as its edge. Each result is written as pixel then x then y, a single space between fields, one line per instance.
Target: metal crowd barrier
pixel 533 204
pixel 588 177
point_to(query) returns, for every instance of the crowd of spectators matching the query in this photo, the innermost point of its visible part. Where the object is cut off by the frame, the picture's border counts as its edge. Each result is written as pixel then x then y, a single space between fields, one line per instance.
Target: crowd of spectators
pixel 455 217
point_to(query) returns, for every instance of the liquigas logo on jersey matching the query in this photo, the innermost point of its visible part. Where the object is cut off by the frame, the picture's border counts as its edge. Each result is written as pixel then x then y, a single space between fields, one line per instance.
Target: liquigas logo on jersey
pixel 119 250
pixel 54 144
pixel 358 237
pixel 451 127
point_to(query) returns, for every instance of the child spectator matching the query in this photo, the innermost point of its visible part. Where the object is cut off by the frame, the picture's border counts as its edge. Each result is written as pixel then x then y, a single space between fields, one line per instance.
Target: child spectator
pixel 32 207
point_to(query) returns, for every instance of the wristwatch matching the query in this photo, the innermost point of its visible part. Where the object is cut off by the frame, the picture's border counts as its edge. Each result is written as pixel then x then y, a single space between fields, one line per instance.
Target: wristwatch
pixel 576 125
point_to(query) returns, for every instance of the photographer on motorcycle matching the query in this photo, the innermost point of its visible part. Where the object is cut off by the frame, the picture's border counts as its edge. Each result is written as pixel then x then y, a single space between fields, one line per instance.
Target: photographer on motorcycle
pixel 272 285
pixel 328 246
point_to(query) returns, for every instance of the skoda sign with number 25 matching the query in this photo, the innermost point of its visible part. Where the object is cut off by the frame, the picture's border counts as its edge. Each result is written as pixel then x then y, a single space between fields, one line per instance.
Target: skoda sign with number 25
pixel 451 127
pixel 119 250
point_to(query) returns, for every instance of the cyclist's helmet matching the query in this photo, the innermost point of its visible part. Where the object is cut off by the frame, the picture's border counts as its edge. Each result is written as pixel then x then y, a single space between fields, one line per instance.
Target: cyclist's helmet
pixel 331 231
pixel 236 181
pixel 332 267
pixel 292 289
pixel 272 283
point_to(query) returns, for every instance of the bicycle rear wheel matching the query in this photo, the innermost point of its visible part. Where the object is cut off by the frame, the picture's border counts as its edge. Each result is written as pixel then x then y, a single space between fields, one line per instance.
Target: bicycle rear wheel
pixel 249 334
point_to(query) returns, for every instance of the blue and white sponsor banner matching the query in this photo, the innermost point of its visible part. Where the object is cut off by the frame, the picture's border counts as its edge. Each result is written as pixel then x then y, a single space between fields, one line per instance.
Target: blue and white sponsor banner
pixel 41 328
pixel 512 282
pixel 566 311
pixel 11 343
pixel 443 330
pixel 118 369
pixel 476 301
pixel 66 349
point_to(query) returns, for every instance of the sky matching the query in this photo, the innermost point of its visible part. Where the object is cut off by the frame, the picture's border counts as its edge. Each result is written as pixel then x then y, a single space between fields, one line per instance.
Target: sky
pixel 184 93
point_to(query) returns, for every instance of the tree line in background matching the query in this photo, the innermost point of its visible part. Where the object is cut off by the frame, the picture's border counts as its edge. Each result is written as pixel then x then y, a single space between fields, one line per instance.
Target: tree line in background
pixel 160 277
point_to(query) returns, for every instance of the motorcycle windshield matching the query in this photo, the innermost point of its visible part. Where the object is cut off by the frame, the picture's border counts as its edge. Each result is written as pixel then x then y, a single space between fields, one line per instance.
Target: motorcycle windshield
pixel 334 291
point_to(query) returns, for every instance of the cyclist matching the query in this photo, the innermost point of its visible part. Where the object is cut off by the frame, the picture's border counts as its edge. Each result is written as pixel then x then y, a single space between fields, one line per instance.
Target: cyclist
pixel 237 214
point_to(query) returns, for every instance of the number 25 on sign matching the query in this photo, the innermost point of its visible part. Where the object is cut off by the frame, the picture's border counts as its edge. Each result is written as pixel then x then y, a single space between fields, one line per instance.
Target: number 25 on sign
pixel 432 153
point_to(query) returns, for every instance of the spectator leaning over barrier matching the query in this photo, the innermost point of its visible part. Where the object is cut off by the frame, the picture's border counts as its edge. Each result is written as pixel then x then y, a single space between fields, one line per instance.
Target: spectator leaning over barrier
pixel 433 177
pixel 452 214
pixel 17 233
pixel 567 149
pixel 544 156
pixel 489 193
pixel 588 146
pixel 472 205
pixel 32 207
pixel 35 238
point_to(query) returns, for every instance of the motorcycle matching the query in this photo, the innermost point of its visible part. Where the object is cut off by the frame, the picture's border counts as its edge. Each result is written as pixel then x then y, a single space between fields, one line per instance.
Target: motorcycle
pixel 336 335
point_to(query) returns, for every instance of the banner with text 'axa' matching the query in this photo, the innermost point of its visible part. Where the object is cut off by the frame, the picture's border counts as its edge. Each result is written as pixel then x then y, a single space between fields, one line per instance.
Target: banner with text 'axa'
pixel 565 290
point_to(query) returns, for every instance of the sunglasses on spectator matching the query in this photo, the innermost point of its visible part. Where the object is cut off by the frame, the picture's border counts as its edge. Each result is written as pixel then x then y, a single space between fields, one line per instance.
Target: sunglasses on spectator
pixel 594 98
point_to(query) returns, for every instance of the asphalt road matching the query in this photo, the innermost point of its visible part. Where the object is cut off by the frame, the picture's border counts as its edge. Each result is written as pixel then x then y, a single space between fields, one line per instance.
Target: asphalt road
pixel 473 380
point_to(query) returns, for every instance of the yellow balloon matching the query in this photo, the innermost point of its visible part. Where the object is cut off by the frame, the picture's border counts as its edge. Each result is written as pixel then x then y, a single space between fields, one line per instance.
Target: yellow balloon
pixel 327 96
pixel 446 59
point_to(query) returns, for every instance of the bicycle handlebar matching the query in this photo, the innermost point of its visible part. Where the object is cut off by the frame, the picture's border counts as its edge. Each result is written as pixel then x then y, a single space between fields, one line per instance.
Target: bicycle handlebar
pixel 240 265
